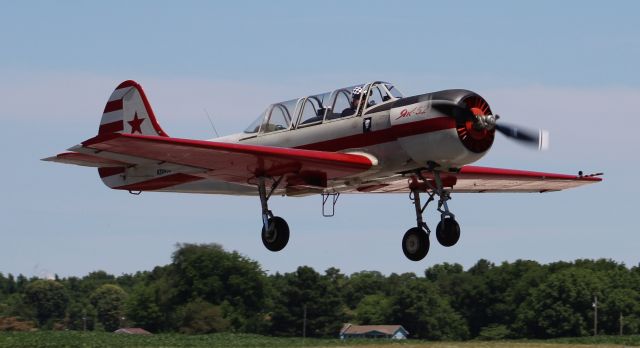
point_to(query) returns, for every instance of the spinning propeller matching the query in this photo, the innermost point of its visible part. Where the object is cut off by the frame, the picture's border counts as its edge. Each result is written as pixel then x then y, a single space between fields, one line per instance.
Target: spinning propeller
pixel 476 126
pixel 533 138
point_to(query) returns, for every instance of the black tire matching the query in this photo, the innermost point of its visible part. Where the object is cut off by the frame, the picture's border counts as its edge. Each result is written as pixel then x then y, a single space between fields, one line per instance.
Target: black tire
pixel 278 236
pixel 448 232
pixel 415 244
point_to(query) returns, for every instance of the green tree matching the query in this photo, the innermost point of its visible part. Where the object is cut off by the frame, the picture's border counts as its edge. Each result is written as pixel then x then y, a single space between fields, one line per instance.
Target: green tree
pixel 208 272
pixel 80 316
pixel 487 296
pixel 10 284
pixel 109 303
pixel 3 285
pixel 48 299
pixel 524 277
pixel 201 317
pixel 443 271
pixel 418 307
pixel 143 308
pixel 562 305
pixel 502 290
pixel 617 302
pixel 94 280
pixel 15 305
pixel 374 310
pixel 362 284
pixel 306 288
pixel 21 283
pixel 163 289
pixel 468 295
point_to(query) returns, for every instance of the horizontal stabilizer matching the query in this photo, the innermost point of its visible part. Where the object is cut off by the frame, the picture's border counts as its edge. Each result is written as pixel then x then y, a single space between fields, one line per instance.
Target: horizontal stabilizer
pixel 84 160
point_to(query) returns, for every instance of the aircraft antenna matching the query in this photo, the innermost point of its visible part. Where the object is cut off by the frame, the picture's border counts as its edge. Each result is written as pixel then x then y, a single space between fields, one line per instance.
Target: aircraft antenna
pixel 211 122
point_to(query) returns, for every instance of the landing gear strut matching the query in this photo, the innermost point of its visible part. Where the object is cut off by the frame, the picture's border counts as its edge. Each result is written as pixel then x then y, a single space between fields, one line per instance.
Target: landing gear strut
pixel 275 231
pixel 415 243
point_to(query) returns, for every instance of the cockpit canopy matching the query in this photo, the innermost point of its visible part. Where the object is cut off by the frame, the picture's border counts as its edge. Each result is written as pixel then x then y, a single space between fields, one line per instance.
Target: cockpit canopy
pixel 324 107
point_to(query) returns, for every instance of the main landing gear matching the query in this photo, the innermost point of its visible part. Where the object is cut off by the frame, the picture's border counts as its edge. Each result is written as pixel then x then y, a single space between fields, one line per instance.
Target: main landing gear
pixel 415 243
pixel 275 230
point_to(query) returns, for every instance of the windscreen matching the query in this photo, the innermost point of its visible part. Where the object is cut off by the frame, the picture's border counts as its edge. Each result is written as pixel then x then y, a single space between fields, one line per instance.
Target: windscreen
pixel 254 127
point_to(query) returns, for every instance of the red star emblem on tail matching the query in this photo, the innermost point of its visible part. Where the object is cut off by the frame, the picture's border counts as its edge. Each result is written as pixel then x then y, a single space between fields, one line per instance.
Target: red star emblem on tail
pixel 135 124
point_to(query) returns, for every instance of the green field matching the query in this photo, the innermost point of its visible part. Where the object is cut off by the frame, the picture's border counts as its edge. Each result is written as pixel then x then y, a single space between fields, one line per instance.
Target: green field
pixel 98 339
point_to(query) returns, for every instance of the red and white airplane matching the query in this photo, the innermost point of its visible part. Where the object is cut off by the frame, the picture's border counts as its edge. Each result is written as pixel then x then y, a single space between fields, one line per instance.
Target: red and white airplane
pixel 360 139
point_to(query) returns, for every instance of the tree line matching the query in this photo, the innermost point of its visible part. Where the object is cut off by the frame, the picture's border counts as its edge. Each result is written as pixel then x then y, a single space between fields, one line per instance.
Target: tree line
pixel 206 289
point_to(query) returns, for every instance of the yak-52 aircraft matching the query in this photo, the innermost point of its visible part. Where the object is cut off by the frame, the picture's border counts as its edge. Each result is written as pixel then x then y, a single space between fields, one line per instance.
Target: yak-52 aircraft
pixel 361 139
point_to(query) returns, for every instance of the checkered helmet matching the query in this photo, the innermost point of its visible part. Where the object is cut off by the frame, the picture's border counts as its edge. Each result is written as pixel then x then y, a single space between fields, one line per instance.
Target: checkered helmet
pixel 357 91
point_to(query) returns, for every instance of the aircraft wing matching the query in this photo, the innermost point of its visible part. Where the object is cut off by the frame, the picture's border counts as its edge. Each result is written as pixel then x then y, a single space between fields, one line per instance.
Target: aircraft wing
pixel 476 179
pixel 230 162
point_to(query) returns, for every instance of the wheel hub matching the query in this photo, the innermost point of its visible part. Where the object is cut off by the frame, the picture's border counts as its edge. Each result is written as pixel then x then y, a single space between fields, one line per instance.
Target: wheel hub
pixel 412 244
pixel 271 235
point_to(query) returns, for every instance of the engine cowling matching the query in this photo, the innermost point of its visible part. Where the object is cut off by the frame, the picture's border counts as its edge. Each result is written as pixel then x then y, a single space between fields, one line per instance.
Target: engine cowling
pixel 440 127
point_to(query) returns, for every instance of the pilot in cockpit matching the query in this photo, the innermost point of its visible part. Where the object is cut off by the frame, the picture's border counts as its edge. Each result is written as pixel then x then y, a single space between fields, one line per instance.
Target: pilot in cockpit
pixel 356 96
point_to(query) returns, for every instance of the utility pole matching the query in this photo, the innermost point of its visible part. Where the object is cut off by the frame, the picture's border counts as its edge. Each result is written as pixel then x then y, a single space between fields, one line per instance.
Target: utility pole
pixel 304 323
pixel 595 315
pixel 621 324
pixel 84 320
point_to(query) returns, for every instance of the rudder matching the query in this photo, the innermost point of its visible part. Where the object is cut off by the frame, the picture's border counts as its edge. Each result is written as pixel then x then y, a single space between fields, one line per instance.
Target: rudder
pixel 128 111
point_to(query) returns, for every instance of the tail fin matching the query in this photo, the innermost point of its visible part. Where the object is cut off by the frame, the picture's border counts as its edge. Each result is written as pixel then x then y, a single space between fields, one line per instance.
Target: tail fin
pixel 129 111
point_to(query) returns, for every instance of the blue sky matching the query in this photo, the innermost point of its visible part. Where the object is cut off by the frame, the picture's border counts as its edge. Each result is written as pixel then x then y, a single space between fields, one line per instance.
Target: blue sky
pixel 569 67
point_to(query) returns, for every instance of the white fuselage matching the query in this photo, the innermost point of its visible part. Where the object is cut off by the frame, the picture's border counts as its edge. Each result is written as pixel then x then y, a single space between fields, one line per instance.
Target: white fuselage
pixel 397 139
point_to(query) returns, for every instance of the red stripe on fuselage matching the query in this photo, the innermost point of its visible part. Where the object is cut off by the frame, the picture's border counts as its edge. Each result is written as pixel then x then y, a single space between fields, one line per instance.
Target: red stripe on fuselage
pixel 383 136
pixel 160 183
pixel 112 127
pixel 424 126
pixel 113 105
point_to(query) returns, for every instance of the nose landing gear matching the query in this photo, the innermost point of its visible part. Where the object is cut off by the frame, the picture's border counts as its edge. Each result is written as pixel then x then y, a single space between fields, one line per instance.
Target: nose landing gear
pixel 415 243
pixel 448 231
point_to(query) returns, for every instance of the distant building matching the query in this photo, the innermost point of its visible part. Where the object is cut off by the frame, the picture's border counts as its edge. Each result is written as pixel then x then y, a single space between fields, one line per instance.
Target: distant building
pixel 396 332
pixel 132 331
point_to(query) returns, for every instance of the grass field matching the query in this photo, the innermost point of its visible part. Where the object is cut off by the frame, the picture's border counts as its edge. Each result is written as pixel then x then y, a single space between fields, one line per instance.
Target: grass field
pixel 98 339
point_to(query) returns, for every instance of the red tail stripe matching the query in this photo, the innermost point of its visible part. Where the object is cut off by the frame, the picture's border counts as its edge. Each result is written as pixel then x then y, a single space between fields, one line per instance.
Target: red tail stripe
pixel 111 127
pixel 110 171
pixel 113 106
